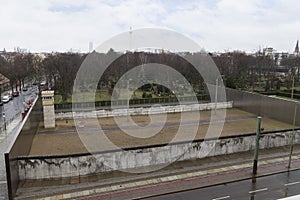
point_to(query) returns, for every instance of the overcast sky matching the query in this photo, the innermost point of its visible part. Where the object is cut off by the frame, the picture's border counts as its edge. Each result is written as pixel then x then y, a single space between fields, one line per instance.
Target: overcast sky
pixel 216 25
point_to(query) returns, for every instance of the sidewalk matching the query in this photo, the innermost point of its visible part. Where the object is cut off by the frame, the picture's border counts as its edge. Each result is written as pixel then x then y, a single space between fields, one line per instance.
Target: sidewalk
pixel 10 126
pixel 179 175
pixel 6 138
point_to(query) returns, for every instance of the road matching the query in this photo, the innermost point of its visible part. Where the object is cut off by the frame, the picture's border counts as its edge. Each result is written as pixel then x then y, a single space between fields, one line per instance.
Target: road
pixel 16 106
pixel 267 188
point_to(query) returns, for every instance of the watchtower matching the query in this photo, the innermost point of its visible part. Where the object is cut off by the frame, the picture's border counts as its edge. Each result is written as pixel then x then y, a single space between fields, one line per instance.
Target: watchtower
pixel 48 108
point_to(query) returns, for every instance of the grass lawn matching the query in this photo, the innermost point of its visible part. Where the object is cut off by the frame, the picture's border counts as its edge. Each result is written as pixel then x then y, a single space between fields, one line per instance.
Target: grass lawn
pixel 105 96
pixel 82 97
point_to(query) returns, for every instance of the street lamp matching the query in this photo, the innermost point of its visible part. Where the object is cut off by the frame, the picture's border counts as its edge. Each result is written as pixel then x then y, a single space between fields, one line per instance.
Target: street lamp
pixel 4 122
pixel 293 85
pixel 258 130
pixel 216 92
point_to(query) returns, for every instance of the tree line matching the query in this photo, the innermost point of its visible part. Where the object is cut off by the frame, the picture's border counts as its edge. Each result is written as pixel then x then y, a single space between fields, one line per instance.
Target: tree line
pixel 239 69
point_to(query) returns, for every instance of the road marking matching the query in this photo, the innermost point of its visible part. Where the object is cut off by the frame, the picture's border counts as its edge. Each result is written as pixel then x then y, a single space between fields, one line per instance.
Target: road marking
pixel 225 197
pixel 260 190
pixel 294 183
pixel 2 182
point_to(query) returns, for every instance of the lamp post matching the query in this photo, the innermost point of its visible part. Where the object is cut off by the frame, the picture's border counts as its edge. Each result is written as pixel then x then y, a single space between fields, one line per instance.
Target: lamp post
pixel 255 161
pixel 4 122
pixel 216 93
pixel 293 85
pixel 128 98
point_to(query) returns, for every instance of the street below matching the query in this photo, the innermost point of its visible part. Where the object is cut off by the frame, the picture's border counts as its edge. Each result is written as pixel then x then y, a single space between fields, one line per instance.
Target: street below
pixel 268 188
pixel 16 105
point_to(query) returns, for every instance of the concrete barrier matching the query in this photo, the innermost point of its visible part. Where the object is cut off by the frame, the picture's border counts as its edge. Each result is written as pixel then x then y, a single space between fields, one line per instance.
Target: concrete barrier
pixel 83 164
pixel 21 145
pixel 143 111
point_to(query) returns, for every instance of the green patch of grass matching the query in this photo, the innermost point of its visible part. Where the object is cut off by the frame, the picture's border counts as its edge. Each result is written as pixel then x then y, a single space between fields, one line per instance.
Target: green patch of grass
pixel 57 99
pixel 83 97
pixel 287 98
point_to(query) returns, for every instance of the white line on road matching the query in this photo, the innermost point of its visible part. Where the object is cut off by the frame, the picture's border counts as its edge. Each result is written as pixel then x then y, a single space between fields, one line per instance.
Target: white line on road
pixel 294 183
pixel 260 190
pixel 220 198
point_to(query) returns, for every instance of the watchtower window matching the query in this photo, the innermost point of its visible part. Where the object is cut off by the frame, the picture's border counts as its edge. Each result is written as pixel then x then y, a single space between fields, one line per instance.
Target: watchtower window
pixel 47 98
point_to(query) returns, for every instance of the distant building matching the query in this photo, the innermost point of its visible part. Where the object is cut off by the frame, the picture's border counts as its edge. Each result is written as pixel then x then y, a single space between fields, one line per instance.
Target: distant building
pixel 279 56
pixel 4 82
pixel 91 48
pixel 20 50
pixel 269 51
pixel 3 52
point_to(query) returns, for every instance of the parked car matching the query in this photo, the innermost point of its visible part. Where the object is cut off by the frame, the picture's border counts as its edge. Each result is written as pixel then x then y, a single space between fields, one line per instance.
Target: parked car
pixel 11 97
pixel 1 103
pixel 25 89
pixel 15 94
pixel 5 99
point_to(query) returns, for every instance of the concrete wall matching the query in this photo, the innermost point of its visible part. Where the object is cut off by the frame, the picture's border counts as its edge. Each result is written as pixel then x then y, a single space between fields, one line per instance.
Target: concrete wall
pixel 145 111
pixel 79 165
pixel 21 145
pixel 279 109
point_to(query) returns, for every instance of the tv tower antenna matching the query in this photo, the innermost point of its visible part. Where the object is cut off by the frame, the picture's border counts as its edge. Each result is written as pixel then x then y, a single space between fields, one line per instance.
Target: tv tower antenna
pixel 130 38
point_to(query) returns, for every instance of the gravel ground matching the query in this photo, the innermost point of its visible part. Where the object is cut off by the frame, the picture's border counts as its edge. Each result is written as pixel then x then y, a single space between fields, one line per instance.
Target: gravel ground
pixel 65 140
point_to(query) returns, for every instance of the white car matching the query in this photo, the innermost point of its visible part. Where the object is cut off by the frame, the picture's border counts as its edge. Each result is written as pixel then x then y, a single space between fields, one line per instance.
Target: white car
pixel 5 99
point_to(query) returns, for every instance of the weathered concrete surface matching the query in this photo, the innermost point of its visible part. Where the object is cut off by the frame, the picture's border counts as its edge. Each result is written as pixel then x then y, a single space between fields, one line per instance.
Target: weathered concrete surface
pixel 144 111
pixel 44 168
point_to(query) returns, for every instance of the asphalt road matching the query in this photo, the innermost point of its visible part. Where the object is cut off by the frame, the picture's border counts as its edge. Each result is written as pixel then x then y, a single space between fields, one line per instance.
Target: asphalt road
pixel 267 188
pixel 16 106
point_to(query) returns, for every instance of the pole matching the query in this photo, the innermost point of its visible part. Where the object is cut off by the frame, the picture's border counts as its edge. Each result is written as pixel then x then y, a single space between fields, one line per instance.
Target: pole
pixel 4 123
pixel 130 38
pixel 293 137
pixel 216 95
pixel 128 98
pixel 293 85
pixel 256 145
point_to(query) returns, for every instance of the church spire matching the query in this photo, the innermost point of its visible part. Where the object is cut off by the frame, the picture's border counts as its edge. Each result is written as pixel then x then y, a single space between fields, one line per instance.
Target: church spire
pixel 296 52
